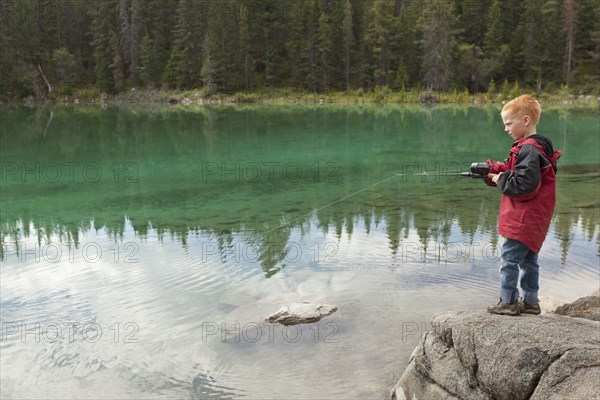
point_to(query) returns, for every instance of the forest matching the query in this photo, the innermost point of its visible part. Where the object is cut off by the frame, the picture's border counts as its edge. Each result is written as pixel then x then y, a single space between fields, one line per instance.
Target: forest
pixel 226 46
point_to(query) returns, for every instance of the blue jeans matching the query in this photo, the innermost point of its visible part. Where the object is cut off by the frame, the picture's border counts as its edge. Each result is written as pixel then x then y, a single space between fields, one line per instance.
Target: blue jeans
pixel 519 265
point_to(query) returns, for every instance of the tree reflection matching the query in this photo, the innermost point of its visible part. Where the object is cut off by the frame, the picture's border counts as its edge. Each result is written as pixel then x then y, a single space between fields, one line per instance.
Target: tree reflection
pixel 178 194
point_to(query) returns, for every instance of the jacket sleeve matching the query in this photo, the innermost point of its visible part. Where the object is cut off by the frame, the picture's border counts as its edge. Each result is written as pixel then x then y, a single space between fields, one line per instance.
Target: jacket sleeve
pixel 495 168
pixel 523 182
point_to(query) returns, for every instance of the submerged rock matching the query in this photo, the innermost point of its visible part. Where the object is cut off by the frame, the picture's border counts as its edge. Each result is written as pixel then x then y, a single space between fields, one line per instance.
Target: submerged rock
pixel 301 313
pixel 476 355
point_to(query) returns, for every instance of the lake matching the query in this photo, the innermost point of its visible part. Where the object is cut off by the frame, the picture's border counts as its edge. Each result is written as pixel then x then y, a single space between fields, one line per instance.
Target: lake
pixel 143 246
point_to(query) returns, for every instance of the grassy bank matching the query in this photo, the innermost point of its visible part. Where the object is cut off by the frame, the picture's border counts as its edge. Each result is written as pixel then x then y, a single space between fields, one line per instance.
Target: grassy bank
pixel 283 96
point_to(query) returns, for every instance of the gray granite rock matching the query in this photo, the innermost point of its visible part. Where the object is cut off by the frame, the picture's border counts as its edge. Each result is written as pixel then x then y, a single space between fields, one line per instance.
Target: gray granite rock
pixel 476 355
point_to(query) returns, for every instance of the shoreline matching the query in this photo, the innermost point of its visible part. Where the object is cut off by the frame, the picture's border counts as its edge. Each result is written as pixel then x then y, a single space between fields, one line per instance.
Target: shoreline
pixel 292 97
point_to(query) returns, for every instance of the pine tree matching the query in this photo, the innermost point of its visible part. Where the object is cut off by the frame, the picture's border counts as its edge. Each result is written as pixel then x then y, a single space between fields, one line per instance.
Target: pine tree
pixel 513 15
pixel 245 46
pixel 80 32
pixel 117 67
pixel 65 66
pixel 381 37
pixel 103 30
pixel 10 62
pixel 494 37
pixel 270 51
pixel 299 43
pixel 312 26
pixel 149 71
pixel 542 42
pixel 128 37
pixel 222 50
pixel 324 47
pixel 439 41
pixel 569 29
pixel 472 20
pixel 348 40
pixel 470 68
pixel 587 46
pixel 408 56
pixel 185 62
pixel 495 49
pixel 156 22
pixel 310 44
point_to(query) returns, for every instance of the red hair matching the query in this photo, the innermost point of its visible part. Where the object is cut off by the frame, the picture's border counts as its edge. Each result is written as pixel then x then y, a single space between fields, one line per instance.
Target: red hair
pixel 524 105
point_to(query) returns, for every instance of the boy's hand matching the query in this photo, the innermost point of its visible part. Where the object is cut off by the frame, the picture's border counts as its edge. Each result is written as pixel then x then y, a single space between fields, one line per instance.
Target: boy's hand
pixel 493 177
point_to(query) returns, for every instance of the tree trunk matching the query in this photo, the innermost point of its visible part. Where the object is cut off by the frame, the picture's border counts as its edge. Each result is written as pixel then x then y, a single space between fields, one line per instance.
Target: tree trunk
pixel 45 80
pixel 347 68
pixel 134 41
pixel 569 28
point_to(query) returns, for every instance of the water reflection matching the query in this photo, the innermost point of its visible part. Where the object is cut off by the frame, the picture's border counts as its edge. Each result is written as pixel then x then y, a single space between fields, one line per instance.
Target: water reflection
pixel 266 226
pixel 171 231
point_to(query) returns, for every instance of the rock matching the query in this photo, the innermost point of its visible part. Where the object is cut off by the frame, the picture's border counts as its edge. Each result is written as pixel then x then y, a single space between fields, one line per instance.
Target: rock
pixel 476 355
pixel 301 313
pixel 585 307
pixel 429 98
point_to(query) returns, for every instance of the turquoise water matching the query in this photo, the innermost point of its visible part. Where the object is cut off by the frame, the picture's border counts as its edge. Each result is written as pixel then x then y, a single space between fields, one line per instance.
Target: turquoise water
pixel 143 246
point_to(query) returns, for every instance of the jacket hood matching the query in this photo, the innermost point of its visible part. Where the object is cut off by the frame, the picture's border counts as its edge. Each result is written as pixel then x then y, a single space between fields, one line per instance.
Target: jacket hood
pixel 545 143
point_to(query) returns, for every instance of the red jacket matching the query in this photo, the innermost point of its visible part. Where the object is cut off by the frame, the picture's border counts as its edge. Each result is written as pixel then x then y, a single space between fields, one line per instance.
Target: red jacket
pixel 527 181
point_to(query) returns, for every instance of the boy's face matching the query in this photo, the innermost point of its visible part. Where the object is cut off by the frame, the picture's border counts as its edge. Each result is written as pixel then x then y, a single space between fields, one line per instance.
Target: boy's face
pixel 516 126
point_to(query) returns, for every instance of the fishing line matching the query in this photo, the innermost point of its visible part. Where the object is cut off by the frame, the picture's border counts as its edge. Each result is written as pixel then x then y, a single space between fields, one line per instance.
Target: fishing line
pixel 332 203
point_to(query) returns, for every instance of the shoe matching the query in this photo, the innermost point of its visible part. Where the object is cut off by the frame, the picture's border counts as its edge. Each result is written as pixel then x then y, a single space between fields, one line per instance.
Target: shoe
pixel 504 309
pixel 526 308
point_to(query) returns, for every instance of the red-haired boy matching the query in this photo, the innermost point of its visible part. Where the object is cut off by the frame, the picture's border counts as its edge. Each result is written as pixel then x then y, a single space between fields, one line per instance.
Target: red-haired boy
pixel 527 180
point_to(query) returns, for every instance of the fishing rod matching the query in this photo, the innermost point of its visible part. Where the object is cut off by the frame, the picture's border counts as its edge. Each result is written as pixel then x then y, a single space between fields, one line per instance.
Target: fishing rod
pixel 478 170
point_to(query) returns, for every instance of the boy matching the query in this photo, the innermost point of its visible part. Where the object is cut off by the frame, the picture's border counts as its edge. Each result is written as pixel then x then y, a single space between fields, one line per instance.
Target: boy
pixel 527 181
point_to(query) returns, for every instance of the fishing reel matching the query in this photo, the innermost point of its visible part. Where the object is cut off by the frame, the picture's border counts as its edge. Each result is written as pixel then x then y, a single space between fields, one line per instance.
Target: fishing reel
pixel 477 170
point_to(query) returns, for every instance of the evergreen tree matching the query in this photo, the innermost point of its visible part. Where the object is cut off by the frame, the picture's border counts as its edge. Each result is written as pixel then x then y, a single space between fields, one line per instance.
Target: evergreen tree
pixel 185 62
pixel 270 53
pixel 245 46
pixel 324 49
pixel 348 40
pixel 470 71
pixel 156 22
pixel 128 37
pixel 103 30
pixel 317 45
pixel 117 67
pixel 439 41
pixel 78 38
pixel 222 51
pixel 513 15
pixel 569 29
pixel 408 56
pixel 381 37
pixel 494 37
pixel 541 42
pixel 9 63
pixel 472 20
pixel 299 44
pixel 149 70
pixel 587 46
pixel 495 48
pixel 65 65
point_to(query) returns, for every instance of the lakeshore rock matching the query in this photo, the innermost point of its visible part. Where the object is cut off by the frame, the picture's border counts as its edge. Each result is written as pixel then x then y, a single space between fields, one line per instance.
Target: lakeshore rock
pixel 301 313
pixel 476 355
pixel 585 307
